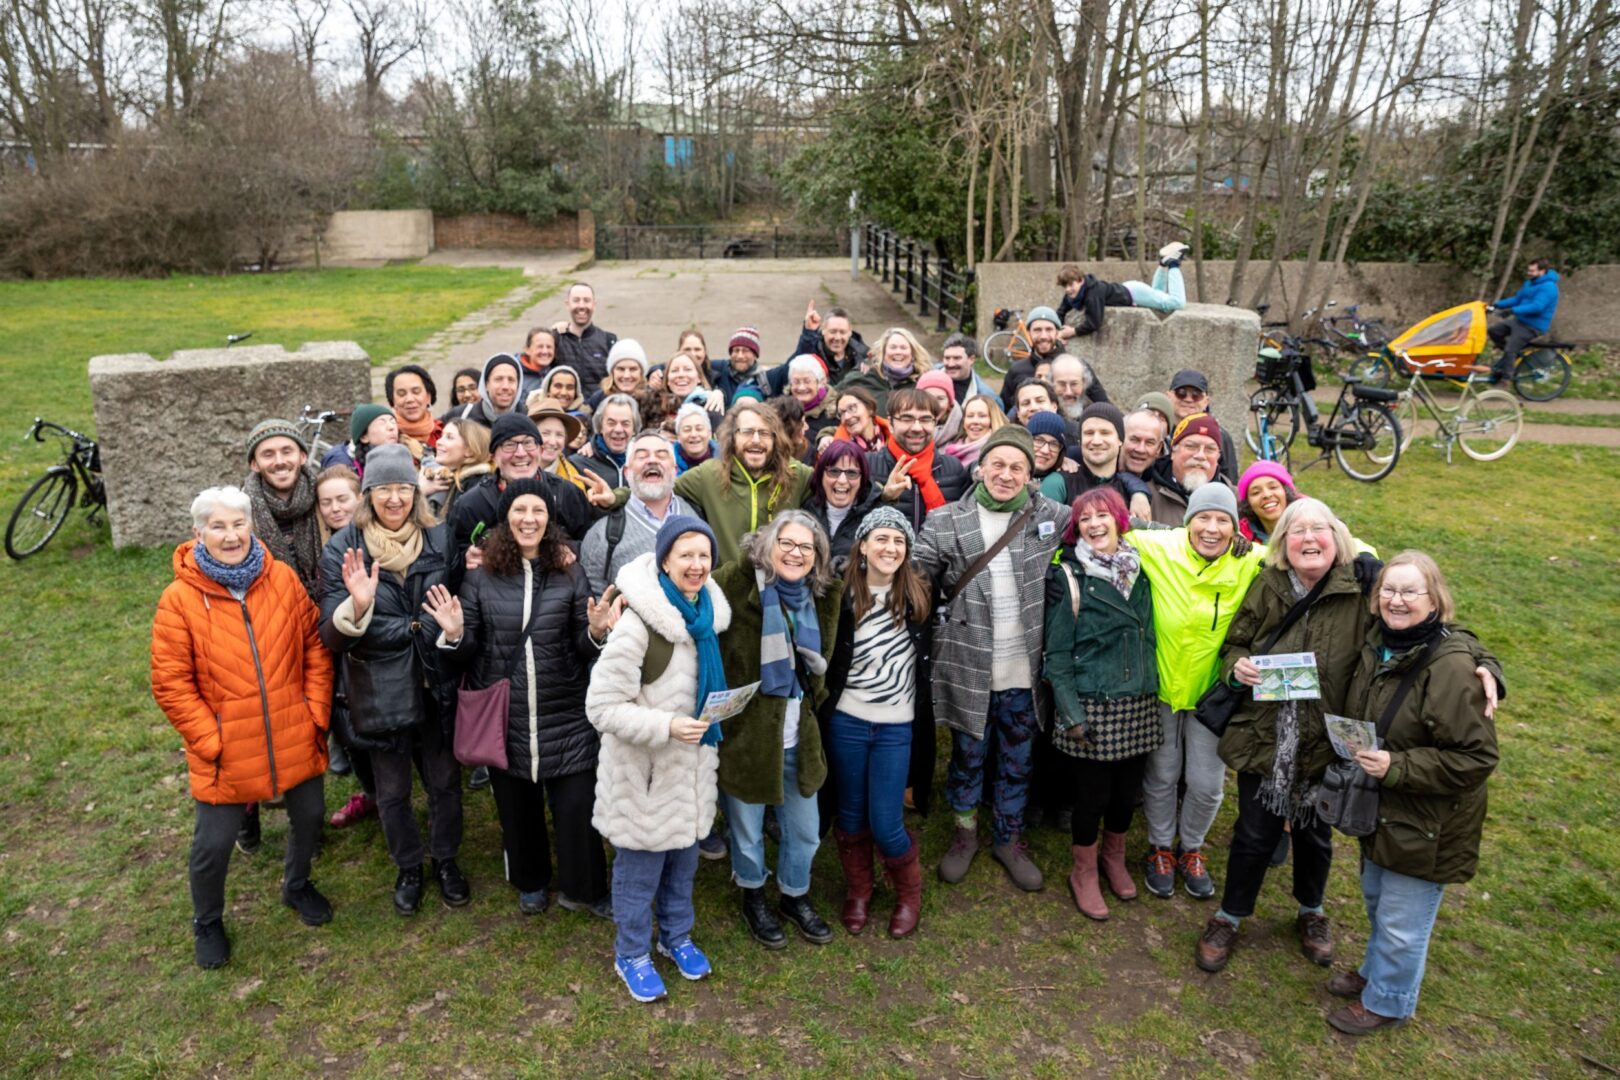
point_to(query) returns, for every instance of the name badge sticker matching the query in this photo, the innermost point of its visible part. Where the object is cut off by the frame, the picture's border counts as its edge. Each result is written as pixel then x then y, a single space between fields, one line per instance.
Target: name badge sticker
pixel 1046 529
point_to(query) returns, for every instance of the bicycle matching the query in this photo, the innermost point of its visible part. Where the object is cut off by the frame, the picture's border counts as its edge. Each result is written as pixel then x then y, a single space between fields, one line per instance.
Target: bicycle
pixel 1485 423
pixel 39 514
pixel 1541 372
pixel 1004 347
pixel 312 429
pixel 1361 433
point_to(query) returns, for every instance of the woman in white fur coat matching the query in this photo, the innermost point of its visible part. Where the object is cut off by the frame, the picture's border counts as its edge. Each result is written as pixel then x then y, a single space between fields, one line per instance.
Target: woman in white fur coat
pixel 655 773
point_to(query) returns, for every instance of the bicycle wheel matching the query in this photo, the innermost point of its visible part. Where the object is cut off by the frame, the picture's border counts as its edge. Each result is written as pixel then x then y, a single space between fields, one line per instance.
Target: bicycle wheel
pixel 1373 369
pixel 40 512
pixel 1541 375
pixel 1003 347
pixel 1488 424
pixel 1282 423
pixel 1368 444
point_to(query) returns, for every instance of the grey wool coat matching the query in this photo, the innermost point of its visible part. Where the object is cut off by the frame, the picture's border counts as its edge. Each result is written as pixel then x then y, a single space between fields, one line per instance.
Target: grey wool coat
pixel 963 635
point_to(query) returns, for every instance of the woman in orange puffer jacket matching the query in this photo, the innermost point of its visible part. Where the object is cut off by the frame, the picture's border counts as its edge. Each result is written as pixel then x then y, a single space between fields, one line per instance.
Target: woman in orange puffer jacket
pixel 239 669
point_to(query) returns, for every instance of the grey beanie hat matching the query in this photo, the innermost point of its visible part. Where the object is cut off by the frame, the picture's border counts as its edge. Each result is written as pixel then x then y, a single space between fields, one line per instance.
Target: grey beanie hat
pixel 391 463
pixel 886 517
pixel 1212 496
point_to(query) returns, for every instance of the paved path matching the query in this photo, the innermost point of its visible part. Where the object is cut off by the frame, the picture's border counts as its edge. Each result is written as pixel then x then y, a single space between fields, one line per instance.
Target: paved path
pixel 654 301
pixel 1557 434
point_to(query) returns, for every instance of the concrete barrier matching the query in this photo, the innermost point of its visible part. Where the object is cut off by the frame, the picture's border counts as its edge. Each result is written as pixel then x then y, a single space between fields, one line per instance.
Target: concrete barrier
pixel 1399 293
pixel 170 428
pixel 1139 350
pixel 367 235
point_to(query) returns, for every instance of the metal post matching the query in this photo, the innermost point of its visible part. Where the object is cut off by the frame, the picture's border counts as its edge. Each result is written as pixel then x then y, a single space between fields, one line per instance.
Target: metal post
pixel 883 246
pixel 967 284
pixel 625 232
pixel 924 309
pixel 700 241
pixel 911 255
pixel 944 271
pixel 854 240
pixel 776 242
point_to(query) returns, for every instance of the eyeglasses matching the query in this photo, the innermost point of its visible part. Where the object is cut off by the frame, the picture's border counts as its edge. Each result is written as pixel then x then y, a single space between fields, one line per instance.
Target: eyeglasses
pixel 755 435
pixel 1404 594
pixel 1190 393
pixel 843 474
pixel 1199 449
pixel 520 444
pixel 914 420
pixel 1310 530
pixel 788 547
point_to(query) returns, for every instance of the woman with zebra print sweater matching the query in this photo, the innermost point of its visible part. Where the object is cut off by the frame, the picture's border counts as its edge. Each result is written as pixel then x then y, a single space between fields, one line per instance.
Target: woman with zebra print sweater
pixel 876 688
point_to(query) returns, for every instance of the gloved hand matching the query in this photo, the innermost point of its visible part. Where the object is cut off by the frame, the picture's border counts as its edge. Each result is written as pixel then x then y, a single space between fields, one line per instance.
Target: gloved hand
pixel 1367 568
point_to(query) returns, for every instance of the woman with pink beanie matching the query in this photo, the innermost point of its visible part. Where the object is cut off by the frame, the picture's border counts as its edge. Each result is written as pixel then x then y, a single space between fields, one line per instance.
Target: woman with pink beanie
pixel 1264 491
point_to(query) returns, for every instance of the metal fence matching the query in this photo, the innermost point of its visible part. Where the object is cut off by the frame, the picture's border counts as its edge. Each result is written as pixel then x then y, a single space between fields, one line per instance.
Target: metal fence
pixel 718 242
pixel 925 279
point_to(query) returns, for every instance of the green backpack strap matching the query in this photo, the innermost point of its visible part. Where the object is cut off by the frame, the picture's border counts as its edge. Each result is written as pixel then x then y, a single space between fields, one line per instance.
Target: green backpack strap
pixel 659 651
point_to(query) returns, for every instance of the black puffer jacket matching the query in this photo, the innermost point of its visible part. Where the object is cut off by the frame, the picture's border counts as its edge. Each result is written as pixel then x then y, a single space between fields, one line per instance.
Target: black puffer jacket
pixel 480 504
pixel 396 617
pixel 547 734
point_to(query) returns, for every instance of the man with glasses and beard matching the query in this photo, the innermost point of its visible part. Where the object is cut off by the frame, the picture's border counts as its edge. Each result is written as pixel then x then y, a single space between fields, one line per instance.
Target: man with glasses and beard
pixel 916 478
pixel 632 529
pixel 1195 453
pixel 1190 391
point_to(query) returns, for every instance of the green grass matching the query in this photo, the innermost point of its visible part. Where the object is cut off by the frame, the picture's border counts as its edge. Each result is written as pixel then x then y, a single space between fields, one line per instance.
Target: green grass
pixel 1523 976
pixel 1533 415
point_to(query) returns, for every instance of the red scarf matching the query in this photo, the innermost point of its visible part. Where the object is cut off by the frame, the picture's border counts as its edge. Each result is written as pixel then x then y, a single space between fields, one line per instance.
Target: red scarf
pixel 921 471
pixel 425 431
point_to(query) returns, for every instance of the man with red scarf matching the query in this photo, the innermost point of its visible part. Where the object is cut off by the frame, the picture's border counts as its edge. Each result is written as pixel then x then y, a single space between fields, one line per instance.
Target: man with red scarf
pixel 916 479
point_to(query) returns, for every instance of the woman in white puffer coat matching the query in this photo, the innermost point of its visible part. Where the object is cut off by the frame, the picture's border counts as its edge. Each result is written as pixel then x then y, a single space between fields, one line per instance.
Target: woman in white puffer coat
pixel 655 773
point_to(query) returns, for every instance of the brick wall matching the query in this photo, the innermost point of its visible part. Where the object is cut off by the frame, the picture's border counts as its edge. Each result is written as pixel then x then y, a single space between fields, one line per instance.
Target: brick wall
pixel 569 232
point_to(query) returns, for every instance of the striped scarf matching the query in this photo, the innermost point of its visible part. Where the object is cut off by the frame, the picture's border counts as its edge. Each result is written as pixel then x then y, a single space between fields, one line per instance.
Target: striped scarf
pixel 788 626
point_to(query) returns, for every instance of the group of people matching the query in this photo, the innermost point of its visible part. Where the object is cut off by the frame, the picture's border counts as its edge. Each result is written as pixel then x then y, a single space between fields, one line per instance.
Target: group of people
pixel 555 579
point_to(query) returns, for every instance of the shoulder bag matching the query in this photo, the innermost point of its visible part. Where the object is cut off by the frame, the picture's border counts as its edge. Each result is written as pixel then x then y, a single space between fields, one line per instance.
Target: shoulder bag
pixel 1014 527
pixel 1347 797
pixel 1217 705
pixel 480 737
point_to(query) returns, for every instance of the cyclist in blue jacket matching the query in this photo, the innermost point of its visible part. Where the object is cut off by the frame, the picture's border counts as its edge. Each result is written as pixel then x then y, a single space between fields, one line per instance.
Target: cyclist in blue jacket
pixel 1529 313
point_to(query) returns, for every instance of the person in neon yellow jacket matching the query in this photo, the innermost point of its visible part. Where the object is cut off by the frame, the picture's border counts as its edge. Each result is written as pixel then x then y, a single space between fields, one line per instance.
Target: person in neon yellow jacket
pixel 1198 584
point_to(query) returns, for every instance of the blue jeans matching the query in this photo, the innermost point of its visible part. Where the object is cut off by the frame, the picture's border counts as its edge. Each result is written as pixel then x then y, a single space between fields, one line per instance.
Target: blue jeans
pixel 1401 910
pixel 1013 724
pixel 871 762
pixel 1167 293
pixel 801 834
pixel 649 882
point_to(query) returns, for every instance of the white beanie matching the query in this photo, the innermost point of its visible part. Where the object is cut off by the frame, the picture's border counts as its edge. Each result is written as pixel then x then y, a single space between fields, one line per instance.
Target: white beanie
pixel 627 349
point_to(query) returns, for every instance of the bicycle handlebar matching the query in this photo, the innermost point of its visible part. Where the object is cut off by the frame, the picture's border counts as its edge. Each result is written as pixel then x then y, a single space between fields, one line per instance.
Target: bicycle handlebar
pixel 42 426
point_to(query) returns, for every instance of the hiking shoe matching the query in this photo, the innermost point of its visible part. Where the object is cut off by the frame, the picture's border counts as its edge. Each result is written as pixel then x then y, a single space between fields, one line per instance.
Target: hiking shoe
pixel 1161 872
pixel 689 959
pixel 964 845
pixel 534 903
pixel 602 909
pixel 313 908
pixel 797 910
pixel 1014 857
pixel 1173 253
pixel 1315 938
pixel 1194 875
pixel 640 977
pixel 359 805
pixel 247 837
pixel 213 948
pixel 453 887
pixel 478 778
pixel 1356 1019
pixel 713 847
pixel 408 891
pixel 762 925
pixel 1215 944
pixel 1347 984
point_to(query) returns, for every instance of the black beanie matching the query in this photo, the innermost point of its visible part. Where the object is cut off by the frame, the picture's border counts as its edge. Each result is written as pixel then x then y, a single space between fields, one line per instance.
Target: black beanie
pixel 511 426
pixel 1107 411
pixel 516 489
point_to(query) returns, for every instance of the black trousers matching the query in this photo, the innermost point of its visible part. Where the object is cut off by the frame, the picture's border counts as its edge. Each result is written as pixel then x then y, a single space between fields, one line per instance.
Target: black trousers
pixel 1104 792
pixel 441 779
pixel 1254 838
pixel 214 835
pixel 1511 336
pixel 521 805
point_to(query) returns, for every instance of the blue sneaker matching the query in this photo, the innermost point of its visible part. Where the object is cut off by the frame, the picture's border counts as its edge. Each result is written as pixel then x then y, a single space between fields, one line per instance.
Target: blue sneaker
pixel 640 977
pixel 688 958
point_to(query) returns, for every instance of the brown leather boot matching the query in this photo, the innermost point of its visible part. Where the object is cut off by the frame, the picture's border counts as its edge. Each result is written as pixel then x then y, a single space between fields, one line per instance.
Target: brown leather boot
pixel 1083 884
pixel 855 853
pixel 905 874
pixel 1215 944
pixel 1356 1019
pixel 1346 984
pixel 1111 857
pixel 1315 938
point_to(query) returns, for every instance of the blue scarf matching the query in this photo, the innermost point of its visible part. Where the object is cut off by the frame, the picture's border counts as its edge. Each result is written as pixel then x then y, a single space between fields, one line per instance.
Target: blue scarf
pixel 237 577
pixel 602 451
pixel 699 620
pixel 788 625
pixel 682 464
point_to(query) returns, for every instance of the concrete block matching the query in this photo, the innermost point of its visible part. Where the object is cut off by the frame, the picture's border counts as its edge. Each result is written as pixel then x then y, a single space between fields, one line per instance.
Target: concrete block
pixel 373 235
pixel 170 428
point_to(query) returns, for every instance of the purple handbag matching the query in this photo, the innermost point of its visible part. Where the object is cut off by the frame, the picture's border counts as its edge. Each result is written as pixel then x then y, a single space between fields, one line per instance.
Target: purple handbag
pixel 480 737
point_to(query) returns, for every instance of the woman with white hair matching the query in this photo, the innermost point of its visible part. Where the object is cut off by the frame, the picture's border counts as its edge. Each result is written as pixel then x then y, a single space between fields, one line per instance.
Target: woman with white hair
pixel 897 360
pixel 239 670
pixel 807 383
pixel 694 437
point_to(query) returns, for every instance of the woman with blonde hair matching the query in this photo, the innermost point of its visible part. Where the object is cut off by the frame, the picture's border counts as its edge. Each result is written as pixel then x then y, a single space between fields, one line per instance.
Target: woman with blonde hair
pixel 461 457
pixel 981 415
pixel 897 360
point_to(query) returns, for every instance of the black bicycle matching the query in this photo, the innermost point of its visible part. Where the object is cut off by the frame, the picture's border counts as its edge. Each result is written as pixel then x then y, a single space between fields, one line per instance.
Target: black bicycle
pixel 1361 433
pixel 39 514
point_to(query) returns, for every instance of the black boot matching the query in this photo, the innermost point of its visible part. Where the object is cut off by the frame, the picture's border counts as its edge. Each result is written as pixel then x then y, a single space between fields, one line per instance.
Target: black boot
pixel 313 908
pixel 408 891
pixel 797 910
pixel 247 837
pixel 213 947
pixel 760 922
pixel 453 887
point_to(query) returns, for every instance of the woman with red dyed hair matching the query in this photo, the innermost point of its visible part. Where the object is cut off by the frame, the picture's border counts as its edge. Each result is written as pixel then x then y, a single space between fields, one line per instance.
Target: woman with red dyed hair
pixel 1105 682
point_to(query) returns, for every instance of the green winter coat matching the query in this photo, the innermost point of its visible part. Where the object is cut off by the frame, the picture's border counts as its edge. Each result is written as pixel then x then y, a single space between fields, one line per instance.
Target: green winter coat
pixel 1333 629
pixel 1431 808
pixel 1105 652
pixel 735 505
pixel 751 749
